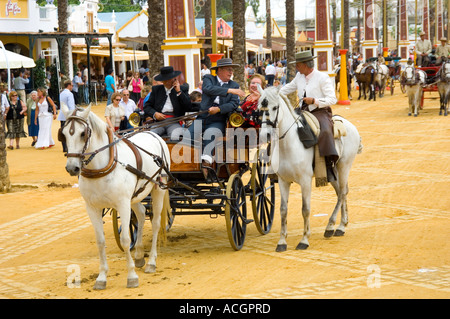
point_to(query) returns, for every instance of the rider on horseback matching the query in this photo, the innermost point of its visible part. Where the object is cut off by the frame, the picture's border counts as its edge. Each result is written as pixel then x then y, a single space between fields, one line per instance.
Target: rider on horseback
pixel 315 90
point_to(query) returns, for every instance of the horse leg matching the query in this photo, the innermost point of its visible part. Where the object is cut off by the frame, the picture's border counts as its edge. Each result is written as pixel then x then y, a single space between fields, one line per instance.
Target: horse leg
pixel 306 211
pixel 95 215
pixel 284 194
pixel 410 103
pixel 158 203
pixel 139 211
pixel 124 210
pixel 447 94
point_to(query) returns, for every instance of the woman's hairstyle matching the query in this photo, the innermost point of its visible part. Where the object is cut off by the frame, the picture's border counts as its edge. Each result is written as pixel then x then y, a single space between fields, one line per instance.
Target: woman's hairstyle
pixel 259 76
pixel 43 90
pixel 114 95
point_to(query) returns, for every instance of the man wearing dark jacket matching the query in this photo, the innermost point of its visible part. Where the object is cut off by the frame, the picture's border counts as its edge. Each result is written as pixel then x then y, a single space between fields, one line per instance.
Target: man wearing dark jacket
pixel 220 97
pixel 168 100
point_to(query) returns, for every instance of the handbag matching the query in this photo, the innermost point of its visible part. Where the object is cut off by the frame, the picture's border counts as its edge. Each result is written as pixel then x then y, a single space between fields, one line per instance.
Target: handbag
pixel 130 86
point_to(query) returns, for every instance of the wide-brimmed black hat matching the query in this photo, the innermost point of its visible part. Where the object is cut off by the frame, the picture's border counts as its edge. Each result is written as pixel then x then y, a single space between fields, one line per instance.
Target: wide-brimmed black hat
pixel 167 73
pixel 224 62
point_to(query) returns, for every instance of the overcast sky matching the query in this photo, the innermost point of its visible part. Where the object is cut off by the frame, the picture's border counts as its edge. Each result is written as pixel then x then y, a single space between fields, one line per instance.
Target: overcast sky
pixel 303 9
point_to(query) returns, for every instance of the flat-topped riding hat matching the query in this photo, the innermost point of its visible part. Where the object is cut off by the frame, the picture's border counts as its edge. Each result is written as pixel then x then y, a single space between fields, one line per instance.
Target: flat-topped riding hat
pixel 167 73
pixel 304 56
pixel 224 62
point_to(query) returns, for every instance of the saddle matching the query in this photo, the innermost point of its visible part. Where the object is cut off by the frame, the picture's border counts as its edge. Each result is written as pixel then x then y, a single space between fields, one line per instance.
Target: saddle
pixel 339 130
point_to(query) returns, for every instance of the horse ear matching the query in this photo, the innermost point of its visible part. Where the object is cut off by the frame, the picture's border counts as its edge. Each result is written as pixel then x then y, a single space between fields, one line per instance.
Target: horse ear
pixel 260 89
pixel 86 111
pixel 65 110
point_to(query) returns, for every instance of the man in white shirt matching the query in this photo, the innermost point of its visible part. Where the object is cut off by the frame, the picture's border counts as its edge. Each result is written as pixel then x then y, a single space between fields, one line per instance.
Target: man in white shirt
pixel 77 82
pixel 128 104
pixel 19 85
pixel 317 95
pixel 271 72
pixel 66 97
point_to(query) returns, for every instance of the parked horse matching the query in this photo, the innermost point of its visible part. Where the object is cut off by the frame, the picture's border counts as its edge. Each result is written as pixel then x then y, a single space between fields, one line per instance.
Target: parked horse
pixel 444 87
pixel 365 76
pixel 414 80
pixel 293 163
pixel 337 71
pixel 103 183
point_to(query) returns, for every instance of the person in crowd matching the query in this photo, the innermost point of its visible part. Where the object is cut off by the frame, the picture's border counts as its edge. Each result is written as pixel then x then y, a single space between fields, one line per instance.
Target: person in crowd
pixel 423 49
pixel 261 69
pixel 442 51
pixel 85 86
pixel 204 70
pixel 220 97
pixel 249 105
pixel 128 105
pixel 167 100
pixel 15 118
pixel 114 112
pixel 271 72
pixel 137 85
pixel 4 99
pixel 77 83
pixel 66 97
pixel 110 84
pixel 33 129
pixel 20 79
pixel 144 93
pixel 316 93
pixel 46 113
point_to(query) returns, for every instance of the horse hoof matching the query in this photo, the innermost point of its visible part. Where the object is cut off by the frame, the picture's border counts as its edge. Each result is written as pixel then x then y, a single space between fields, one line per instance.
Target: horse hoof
pixel 281 248
pixel 415 115
pixel 132 283
pixel 339 233
pixel 150 269
pixel 328 233
pixel 409 114
pixel 302 246
pixel 139 263
pixel 100 285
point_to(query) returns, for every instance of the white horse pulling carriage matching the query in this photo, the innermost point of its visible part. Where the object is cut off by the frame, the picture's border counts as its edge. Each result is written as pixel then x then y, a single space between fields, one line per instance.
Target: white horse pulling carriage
pixel 139 164
pixel 120 173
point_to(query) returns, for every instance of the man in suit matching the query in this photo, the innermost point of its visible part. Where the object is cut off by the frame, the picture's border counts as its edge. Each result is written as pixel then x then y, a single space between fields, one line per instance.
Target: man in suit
pixel 168 100
pixel 220 96
pixel 423 49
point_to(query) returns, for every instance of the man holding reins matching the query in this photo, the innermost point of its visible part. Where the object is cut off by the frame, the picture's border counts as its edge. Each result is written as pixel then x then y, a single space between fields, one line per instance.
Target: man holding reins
pixel 317 95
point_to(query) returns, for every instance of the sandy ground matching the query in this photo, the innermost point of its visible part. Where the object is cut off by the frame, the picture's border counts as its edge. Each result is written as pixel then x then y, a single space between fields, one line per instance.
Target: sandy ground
pixel 396 245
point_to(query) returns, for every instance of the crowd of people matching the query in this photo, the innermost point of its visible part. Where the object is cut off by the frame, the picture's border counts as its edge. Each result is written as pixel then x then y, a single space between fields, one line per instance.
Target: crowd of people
pixel 163 97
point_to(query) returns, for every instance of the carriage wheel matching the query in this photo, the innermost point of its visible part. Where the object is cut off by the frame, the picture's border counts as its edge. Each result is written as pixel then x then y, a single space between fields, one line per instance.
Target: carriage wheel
pixel 236 212
pixel 263 196
pixel 117 226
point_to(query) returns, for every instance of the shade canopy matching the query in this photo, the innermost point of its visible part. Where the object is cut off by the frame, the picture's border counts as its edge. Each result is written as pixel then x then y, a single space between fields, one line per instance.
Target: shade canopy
pixel 15 61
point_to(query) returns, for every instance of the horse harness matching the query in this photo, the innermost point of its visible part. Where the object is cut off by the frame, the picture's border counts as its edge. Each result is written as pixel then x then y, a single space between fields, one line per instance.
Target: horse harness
pixel 112 146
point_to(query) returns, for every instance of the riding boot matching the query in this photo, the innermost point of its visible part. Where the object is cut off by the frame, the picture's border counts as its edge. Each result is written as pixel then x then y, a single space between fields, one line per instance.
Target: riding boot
pixel 331 169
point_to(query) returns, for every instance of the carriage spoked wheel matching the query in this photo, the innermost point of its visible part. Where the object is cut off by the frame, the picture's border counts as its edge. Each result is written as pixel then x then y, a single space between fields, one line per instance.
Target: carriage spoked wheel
pixel 263 195
pixel 236 211
pixel 117 227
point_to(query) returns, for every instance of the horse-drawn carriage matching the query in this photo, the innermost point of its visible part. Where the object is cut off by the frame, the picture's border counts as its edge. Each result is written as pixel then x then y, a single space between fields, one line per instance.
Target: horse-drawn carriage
pixel 223 191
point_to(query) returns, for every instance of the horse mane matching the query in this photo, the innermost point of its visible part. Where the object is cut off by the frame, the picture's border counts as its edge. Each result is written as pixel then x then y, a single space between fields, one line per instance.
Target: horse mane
pixel 272 94
pixel 98 126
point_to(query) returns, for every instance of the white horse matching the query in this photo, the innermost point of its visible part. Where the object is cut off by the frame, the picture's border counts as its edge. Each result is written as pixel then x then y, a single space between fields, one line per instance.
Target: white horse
pixel 293 163
pixel 105 182
pixel 381 77
pixel 444 87
pixel 414 81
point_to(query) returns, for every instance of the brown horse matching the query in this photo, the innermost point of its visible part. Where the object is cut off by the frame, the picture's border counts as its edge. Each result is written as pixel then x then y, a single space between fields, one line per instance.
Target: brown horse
pixel 366 80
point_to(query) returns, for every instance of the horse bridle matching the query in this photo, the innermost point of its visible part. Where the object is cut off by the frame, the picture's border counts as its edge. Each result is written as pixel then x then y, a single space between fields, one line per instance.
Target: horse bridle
pixel 414 75
pixel 87 133
pixel 90 173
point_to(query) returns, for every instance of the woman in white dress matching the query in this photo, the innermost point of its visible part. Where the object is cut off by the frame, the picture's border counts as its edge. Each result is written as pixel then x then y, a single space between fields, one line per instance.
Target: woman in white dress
pixel 46 116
